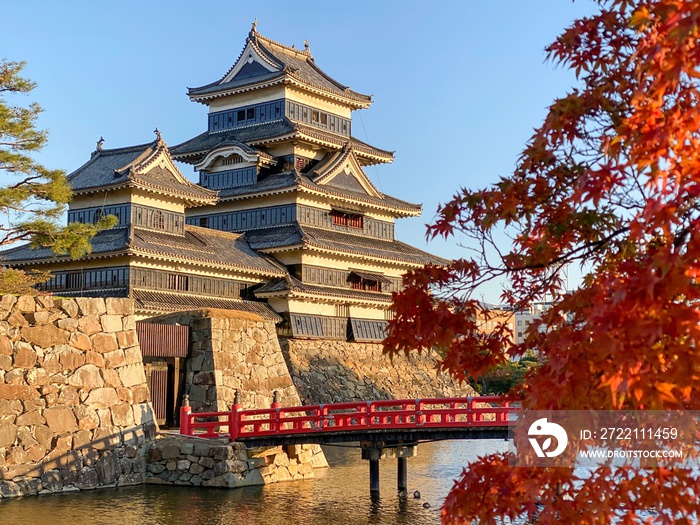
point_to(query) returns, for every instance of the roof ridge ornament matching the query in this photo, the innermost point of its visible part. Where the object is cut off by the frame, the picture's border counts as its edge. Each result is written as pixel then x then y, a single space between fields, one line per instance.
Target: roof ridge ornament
pixel 158 137
pixel 253 28
pixel 98 147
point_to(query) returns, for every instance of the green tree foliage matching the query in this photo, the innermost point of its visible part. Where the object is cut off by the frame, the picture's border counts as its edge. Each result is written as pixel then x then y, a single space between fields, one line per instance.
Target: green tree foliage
pixel 32 197
pixel 503 378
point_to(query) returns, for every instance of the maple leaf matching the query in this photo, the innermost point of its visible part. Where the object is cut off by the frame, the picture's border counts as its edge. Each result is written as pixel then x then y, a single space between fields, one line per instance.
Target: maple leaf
pixel 609 181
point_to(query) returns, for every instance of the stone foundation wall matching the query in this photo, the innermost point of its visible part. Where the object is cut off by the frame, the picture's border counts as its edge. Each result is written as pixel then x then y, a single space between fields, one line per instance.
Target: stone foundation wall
pixel 337 371
pixel 74 404
pixel 191 461
pixel 232 351
pixel 237 351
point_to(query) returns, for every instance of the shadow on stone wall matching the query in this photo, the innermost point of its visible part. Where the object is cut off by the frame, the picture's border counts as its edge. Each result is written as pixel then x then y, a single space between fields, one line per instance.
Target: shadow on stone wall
pixel 328 380
pixel 326 371
pixel 111 459
pixel 72 390
pixel 232 351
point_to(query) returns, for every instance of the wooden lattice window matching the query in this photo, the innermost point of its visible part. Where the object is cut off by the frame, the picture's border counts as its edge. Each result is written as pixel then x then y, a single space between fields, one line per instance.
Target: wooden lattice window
pixel 363 283
pixel 177 282
pixel 158 222
pixel 351 220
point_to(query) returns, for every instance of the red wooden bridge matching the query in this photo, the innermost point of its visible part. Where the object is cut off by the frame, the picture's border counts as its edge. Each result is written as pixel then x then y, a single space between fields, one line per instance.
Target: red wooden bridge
pixel 377 425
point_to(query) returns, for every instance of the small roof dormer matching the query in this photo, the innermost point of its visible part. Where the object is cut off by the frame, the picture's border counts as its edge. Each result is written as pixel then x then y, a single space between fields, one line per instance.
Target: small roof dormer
pixel 264 63
pixel 147 167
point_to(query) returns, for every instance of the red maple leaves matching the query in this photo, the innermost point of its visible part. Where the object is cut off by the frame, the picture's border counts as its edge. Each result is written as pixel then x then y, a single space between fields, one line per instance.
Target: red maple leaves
pixel 611 182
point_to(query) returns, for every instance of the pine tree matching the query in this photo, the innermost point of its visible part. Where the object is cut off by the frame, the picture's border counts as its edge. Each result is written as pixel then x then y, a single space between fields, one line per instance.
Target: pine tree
pixel 33 197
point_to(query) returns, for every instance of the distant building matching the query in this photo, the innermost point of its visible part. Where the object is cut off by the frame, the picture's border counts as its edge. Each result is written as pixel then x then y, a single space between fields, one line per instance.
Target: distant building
pixel 524 318
pixel 284 221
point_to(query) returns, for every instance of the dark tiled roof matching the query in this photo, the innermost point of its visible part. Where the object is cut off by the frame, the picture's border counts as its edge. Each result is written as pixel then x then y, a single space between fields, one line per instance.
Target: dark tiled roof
pixel 361 245
pixel 99 292
pixel 280 286
pixel 198 244
pixel 136 165
pixel 265 131
pixel 206 245
pixel 236 82
pixel 384 201
pixel 107 241
pixel 162 302
pixel 371 276
pixel 208 141
pixel 280 236
pixel 291 235
pixel 287 62
pixel 278 181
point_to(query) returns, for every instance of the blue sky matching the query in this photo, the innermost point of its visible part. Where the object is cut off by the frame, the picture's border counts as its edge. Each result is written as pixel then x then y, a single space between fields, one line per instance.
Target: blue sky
pixel 458 87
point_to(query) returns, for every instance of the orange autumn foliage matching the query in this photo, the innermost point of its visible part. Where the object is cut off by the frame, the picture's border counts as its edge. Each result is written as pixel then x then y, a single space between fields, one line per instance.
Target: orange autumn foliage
pixel 611 181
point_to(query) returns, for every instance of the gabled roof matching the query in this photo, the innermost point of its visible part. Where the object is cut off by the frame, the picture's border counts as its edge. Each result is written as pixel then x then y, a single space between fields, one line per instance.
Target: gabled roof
pixel 290 181
pixel 193 150
pixel 146 166
pixel 341 169
pixel 199 246
pixel 264 62
pixel 296 235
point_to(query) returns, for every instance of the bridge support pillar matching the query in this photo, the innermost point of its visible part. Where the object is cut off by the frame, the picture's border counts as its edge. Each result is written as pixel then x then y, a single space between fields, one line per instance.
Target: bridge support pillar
pixel 374 476
pixel 402 474
pixel 373 451
pixel 376 450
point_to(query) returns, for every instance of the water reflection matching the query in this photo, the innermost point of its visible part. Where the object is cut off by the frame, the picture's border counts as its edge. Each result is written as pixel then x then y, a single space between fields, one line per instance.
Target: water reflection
pixel 337 496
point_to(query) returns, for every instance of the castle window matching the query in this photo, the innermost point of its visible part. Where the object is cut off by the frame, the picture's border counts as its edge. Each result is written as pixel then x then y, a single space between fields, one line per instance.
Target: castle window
pixel 240 115
pixel 366 281
pixel 324 119
pixel 314 117
pixel 74 281
pixel 97 216
pixel 203 222
pixel 158 220
pixel 250 113
pixel 177 282
pixel 351 220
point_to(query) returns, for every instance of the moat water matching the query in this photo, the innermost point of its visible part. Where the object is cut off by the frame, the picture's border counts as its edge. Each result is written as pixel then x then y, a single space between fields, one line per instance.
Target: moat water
pixel 337 496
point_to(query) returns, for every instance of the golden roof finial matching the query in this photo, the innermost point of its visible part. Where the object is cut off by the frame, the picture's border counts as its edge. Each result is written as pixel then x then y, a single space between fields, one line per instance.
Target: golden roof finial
pixel 99 143
pixel 254 27
pixel 306 45
pixel 157 132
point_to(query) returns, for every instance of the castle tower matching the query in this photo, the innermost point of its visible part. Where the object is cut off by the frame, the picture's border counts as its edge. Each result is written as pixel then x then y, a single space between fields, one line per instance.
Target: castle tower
pixel 289 174
pixel 151 255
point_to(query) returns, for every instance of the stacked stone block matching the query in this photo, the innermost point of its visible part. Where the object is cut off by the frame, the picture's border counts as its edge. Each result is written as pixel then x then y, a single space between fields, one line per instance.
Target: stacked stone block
pixel 74 403
pixel 232 351
pixel 326 371
pixel 208 463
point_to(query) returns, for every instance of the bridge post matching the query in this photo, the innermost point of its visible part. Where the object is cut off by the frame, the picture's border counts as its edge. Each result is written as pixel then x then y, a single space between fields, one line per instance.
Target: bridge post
pixel 234 425
pixel 373 452
pixel 402 474
pixel 374 476
pixel 185 411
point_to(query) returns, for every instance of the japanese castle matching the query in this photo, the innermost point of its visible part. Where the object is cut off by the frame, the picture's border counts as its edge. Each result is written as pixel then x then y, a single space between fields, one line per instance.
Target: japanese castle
pixel 284 221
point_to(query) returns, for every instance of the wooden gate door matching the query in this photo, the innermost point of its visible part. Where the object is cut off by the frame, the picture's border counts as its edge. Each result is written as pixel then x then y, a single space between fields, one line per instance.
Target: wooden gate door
pixel 157 376
pixel 164 348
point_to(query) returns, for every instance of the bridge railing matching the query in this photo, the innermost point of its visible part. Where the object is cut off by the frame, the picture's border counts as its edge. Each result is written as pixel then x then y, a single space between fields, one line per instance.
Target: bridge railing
pixel 485 411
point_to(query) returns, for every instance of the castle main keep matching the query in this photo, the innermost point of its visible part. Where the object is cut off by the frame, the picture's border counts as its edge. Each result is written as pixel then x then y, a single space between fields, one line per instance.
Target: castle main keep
pixel 283 223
